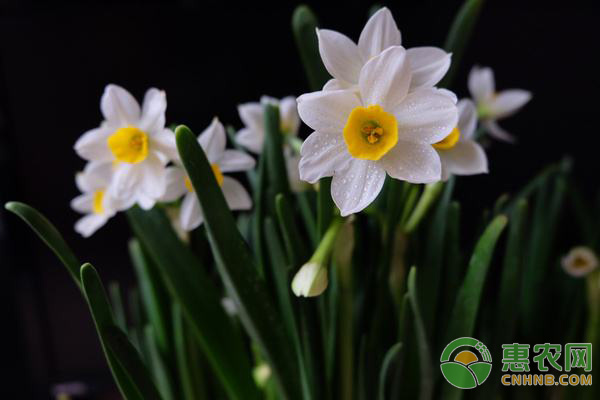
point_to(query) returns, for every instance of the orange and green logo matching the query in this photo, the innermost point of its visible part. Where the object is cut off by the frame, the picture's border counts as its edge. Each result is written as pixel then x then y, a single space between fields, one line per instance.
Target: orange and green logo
pixel 466 363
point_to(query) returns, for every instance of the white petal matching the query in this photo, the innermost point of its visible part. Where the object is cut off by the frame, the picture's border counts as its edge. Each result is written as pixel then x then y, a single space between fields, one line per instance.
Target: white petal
pixel 450 94
pixel 212 140
pixel 467 118
pixel 426 116
pixel 236 196
pixel 292 165
pixel 119 106
pixel 126 181
pixel 465 158
pixel 379 33
pixel 336 84
pixel 252 114
pixel 412 162
pixel 93 145
pixel 251 138
pixel 175 184
pixel 190 215
pixel 497 132
pixel 95 176
pixel 89 224
pixel 153 110
pixel 290 119
pixel 507 102
pixel 340 55
pixel 235 160
pixel 84 203
pixel 356 186
pixel 385 79
pixel 481 83
pixel 322 155
pixel 163 141
pixel 428 65
pixel 153 180
pixel 327 111
pixel 145 202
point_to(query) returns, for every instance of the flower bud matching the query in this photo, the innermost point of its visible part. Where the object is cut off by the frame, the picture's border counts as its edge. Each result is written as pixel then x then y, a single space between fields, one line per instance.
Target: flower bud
pixel 311 280
pixel 580 261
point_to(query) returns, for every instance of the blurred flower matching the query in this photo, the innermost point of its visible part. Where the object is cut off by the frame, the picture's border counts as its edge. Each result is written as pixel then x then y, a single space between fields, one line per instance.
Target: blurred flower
pixel 459 152
pixel 135 141
pixel 311 280
pixel 252 135
pixel 261 374
pixel 344 59
pixel 383 128
pixel 94 201
pixel 493 106
pixel 178 183
pixel 580 261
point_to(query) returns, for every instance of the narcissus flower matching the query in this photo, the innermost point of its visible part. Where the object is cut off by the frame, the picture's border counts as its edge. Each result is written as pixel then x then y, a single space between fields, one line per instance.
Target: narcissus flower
pixel 134 139
pixel 361 135
pixel 580 261
pixel 213 141
pixel 493 106
pixel 344 59
pixel 459 152
pixel 252 135
pixel 94 202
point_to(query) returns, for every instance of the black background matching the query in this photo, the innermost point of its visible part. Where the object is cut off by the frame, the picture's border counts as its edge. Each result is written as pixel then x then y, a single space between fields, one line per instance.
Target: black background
pixel 56 58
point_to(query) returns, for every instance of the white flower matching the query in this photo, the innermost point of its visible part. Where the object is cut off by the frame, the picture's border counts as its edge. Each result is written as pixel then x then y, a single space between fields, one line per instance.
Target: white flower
pixel 493 106
pixel 580 261
pixel 344 59
pixel 459 152
pixel 383 128
pixel 252 135
pixel 212 141
pixel 135 141
pixel 311 280
pixel 94 201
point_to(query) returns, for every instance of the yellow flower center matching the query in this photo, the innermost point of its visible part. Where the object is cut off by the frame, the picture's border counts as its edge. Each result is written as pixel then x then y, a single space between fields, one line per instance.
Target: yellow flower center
pixel 370 132
pixel 129 145
pixel 98 206
pixel 449 141
pixel 218 177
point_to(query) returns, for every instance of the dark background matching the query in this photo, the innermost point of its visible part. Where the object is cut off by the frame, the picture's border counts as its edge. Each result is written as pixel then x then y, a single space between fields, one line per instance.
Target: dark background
pixel 56 57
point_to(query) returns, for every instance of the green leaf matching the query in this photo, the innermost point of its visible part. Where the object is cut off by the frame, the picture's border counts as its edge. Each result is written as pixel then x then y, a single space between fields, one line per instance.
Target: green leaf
pixel 387 362
pixel 273 151
pixel 159 369
pixel 114 292
pixel 134 379
pixel 49 235
pixel 188 362
pixel 464 314
pixel 294 244
pixel 324 206
pixel 235 265
pixel 426 388
pixel 304 25
pixel 189 284
pixel 154 295
pixel 459 36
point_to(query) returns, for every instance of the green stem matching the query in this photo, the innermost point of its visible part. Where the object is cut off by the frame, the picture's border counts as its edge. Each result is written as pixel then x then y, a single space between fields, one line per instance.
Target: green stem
pixel 431 192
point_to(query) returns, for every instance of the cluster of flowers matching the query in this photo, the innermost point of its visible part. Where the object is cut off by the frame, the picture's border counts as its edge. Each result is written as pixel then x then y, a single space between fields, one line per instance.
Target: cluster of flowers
pixel 380 114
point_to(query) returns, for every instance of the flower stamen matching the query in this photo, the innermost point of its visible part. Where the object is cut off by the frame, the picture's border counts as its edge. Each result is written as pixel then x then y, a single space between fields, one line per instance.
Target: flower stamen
pixel 129 145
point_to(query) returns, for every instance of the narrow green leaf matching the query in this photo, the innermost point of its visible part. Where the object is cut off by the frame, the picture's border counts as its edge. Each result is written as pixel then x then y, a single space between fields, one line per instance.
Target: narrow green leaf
pixel 114 292
pixel 159 369
pixel 324 206
pixel 464 314
pixel 188 364
pixel 135 380
pixel 154 295
pixel 234 264
pixel 189 284
pixel 304 25
pixel 308 216
pixel 426 368
pixel 294 244
pixel 387 362
pixel 460 34
pixel 49 235
pixel 273 151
